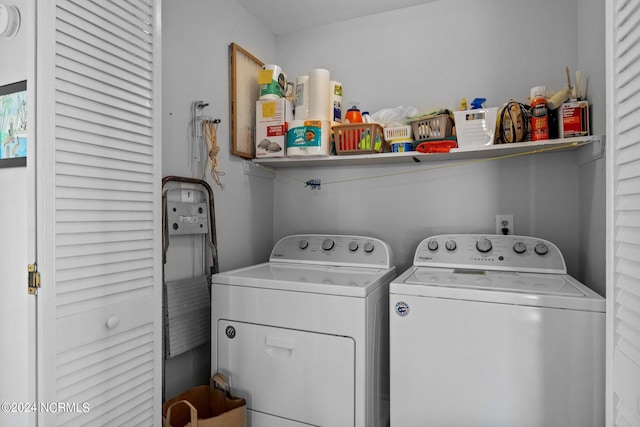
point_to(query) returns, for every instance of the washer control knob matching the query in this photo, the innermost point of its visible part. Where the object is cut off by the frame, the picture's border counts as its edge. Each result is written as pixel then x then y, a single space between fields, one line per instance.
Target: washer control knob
pixel 353 246
pixel 368 247
pixel 519 247
pixel 328 244
pixel 304 244
pixel 432 245
pixel 450 245
pixel 541 249
pixel 484 245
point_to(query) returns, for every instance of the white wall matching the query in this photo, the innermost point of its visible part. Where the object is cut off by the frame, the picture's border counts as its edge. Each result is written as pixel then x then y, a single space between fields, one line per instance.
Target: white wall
pixel 14 301
pixel 403 56
pixel 591 48
pixel 430 56
pixel 196 38
pixel 427 56
pixel 432 198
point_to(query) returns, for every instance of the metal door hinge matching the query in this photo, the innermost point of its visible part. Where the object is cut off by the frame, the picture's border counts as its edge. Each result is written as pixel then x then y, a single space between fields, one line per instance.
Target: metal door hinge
pixel 33 280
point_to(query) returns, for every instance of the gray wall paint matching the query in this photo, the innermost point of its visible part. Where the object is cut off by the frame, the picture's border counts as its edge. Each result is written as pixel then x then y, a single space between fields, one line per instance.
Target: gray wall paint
pixel 409 203
pixel 427 56
pixel 430 56
pixel 591 56
pixel 196 38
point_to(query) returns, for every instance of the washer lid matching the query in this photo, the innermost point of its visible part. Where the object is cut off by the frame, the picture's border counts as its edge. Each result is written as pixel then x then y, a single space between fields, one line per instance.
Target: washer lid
pixel 333 280
pixel 535 289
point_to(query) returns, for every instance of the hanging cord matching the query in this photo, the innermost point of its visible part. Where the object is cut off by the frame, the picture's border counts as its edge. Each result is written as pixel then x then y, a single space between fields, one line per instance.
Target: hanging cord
pixel 210 130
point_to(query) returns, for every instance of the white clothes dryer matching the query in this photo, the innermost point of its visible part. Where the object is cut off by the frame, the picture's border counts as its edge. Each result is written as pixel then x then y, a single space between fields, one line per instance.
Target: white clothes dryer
pixel 492 331
pixel 304 336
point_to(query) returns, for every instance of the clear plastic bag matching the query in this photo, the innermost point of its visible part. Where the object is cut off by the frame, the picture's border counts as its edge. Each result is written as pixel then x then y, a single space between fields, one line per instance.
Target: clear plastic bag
pixel 397 116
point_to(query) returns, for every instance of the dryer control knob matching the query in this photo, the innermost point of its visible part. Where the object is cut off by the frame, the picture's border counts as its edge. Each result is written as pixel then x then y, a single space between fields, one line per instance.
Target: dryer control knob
pixel 519 247
pixel 541 249
pixel 432 245
pixel 303 244
pixel 484 245
pixel 368 247
pixel 450 245
pixel 353 246
pixel 328 244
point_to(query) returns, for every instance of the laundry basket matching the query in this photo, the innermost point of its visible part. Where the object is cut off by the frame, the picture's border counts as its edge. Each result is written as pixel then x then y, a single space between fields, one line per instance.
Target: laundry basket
pixel 437 126
pixel 359 138
pixel 397 133
pixel 475 127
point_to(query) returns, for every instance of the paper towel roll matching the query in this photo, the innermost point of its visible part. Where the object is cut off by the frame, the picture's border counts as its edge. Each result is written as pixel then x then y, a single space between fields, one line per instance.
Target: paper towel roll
pixel 335 101
pixel 296 134
pixel 309 138
pixel 319 94
pixel 302 98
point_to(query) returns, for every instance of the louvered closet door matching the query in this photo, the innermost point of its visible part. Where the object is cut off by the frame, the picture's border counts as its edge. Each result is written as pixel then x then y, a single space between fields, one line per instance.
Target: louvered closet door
pixel 99 212
pixel 623 213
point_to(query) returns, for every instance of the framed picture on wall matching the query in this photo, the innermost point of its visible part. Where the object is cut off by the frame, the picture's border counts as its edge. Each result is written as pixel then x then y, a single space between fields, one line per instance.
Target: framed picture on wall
pixel 13 124
pixel 245 91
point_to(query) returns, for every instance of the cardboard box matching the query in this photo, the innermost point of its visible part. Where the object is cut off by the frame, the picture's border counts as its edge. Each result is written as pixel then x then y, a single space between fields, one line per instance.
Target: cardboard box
pixel 573 119
pixel 272 116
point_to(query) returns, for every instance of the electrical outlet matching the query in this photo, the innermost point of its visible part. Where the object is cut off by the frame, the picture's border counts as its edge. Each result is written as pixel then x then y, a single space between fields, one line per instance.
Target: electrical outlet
pixel 504 224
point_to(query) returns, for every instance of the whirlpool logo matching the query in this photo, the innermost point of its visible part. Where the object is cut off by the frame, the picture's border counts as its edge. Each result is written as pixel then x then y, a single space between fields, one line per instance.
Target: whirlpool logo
pixel 230 332
pixel 402 308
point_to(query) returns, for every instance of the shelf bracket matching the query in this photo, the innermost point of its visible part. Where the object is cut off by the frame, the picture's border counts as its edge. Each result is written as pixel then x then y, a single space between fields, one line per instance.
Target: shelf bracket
pixel 591 151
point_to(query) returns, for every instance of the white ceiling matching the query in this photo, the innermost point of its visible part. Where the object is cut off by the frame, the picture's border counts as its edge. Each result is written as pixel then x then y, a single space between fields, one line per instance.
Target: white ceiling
pixel 283 16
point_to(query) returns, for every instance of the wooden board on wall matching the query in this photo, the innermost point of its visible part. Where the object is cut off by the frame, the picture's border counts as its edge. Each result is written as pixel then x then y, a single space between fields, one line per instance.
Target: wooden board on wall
pixel 245 91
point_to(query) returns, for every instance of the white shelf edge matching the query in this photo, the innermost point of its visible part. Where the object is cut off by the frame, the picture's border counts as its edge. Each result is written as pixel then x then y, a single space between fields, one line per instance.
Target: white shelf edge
pixel 483 152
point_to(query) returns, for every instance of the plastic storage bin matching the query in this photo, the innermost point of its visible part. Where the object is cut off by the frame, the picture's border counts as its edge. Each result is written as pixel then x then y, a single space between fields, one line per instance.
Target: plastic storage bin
pixel 359 138
pixel 431 127
pixel 397 134
pixel 475 128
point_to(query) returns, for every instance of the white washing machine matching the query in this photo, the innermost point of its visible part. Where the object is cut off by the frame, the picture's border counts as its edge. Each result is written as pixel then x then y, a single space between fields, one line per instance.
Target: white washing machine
pixel 304 337
pixel 491 331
